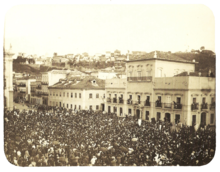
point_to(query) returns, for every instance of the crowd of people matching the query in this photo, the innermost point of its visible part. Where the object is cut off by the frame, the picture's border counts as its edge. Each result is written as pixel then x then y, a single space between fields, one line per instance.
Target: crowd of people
pixel 59 137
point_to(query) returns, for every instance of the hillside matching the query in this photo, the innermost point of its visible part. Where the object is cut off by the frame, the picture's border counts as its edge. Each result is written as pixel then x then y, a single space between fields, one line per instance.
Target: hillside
pixel 31 69
pixel 205 61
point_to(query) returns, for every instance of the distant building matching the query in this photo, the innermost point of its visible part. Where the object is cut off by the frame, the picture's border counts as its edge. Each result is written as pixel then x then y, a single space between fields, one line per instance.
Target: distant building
pixel 78 93
pixel 108 54
pixel 24 86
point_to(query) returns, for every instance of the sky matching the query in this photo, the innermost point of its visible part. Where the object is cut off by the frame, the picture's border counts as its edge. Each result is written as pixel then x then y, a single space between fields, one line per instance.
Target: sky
pixel 72 29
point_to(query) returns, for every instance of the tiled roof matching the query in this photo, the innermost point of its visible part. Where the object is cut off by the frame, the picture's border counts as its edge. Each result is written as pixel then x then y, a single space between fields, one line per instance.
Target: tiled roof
pixel 160 55
pixel 80 83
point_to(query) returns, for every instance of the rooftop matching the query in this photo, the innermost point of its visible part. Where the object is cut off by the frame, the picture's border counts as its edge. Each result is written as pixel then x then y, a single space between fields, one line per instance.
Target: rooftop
pixel 84 82
pixel 160 56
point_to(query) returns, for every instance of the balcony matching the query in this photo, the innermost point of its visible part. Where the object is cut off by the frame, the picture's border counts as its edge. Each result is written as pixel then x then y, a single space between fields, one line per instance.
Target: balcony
pixel 204 106
pixel 44 94
pixel 22 91
pixel 158 104
pixel 212 106
pixel 137 102
pixel 114 100
pixel 44 83
pixel 121 101
pixel 177 106
pixel 146 103
pixel 21 85
pixel 129 101
pixel 38 87
pixel 168 105
pixel 142 78
pixel 109 100
pixel 195 106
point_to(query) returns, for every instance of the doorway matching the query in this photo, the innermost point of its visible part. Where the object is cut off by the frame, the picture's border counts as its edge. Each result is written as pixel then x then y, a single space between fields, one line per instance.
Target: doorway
pixel 167 117
pixel 177 119
pixel 203 118
pixel 193 120
pixel 138 113
pixel 103 107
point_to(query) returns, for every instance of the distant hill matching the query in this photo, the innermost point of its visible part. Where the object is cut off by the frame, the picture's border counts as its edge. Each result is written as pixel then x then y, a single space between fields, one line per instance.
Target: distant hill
pixel 31 69
pixel 206 61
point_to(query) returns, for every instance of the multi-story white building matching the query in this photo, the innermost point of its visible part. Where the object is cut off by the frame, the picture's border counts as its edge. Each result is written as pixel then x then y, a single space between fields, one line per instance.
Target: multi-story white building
pixel 78 93
pixel 24 86
pixel 154 91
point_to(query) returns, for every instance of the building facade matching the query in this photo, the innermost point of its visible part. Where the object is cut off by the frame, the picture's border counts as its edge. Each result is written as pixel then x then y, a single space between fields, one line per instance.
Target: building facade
pixel 154 92
pixel 78 93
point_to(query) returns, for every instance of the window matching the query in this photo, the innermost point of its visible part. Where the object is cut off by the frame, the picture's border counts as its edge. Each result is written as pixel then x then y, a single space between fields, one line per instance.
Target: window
pixel 213 100
pixel 212 119
pixel 177 119
pixel 147 115
pixel 109 109
pixel 90 107
pixel 56 104
pixel 67 94
pixel 203 100
pixel 63 94
pixel 50 103
pixel 115 109
pixel 60 94
pixel 75 95
pixel 79 107
pixel 71 95
pixel 90 96
pixel 79 95
pixel 159 72
pixel 194 100
pixel 63 105
pixel 130 97
pixel 129 111
pixel 53 93
pixel 97 95
pixel 67 105
pixel 75 106
pixel 121 112
pixel 97 107
pixel 178 100
pixel 50 93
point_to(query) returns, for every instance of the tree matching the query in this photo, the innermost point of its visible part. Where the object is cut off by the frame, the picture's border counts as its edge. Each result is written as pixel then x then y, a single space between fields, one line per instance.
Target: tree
pixel 202 48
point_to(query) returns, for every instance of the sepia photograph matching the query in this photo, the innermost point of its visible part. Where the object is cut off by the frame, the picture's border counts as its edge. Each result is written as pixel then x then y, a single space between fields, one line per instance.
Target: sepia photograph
pixel 109 85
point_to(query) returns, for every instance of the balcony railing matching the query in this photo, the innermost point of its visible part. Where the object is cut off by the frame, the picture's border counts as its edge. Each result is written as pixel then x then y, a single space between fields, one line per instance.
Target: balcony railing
pixel 212 106
pixel 177 106
pixel 121 101
pixel 158 104
pixel 44 83
pixel 114 100
pixel 204 106
pixel 109 100
pixel 129 101
pixel 38 88
pixel 167 105
pixel 147 103
pixel 142 78
pixel 137 102
pixel 21 85
pixel 22 91
pixel 195 106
